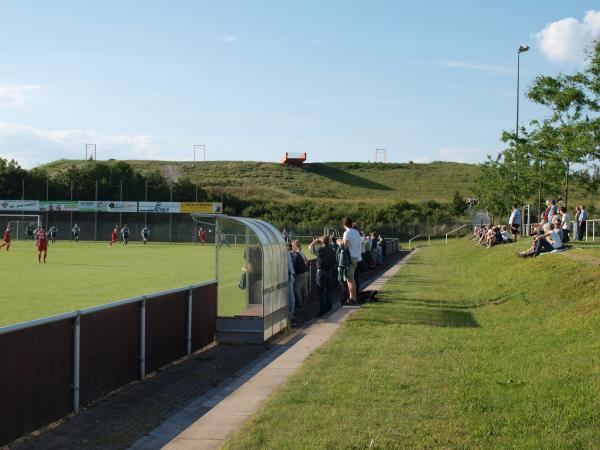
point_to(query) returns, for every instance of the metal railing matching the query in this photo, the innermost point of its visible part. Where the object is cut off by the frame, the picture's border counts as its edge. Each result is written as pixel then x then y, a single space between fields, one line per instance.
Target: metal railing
pixel 455 230
pixel 150 327
pixel 587 228
pixel 418 236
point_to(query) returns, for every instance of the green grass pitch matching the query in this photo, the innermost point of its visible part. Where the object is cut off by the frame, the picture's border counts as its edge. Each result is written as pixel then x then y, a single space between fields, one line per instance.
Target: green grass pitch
pixel 87 274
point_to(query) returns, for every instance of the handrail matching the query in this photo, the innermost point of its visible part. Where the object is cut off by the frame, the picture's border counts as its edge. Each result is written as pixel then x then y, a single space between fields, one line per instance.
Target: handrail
pixel 418 236
pixel 411 239
pixel 456 229
pixel 73 314
pixel 593 221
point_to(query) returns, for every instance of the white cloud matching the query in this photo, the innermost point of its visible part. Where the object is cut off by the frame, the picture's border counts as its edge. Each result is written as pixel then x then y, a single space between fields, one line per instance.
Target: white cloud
pixel 462 154
pixel 566 39
pixel 480 67
pixel 226 38
pixel 31 146
pixel 14 95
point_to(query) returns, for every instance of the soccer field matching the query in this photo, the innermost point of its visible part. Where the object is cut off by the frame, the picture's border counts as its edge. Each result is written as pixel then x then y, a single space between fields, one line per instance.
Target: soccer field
pixel 89 274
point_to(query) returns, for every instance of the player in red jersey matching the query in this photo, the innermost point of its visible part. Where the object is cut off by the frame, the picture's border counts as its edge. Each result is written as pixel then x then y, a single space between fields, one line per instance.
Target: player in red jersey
pixel 114 236
pixel 6 237
pixel 42 243
pixel 202 236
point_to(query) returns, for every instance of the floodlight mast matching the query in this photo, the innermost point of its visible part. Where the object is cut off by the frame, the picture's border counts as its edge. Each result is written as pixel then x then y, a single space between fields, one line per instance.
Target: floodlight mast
pixel 379 154
pixel 198 147
pixel 91 150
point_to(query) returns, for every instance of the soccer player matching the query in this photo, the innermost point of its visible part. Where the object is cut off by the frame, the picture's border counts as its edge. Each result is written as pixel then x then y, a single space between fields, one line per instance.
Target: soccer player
pixel 6 237
pixel 75 233
pixel 42 243
pixel 30 231
pixel 114 236
pixel 52 232
pixel 125 235
pixel 202 236
pixel 145 234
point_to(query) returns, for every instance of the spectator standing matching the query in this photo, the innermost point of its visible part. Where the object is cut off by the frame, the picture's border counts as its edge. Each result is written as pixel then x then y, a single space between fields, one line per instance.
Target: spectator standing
pixel 326 262
pixel 352 243
pixel 577 215
pixel 566 221
pixel 583 217
pixel 291 283
pixel 301 275
pixel 285 235
pixel 514 221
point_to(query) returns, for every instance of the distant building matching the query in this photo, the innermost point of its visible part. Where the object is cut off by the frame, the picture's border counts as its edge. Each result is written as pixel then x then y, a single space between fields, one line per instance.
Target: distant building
pixel 294 159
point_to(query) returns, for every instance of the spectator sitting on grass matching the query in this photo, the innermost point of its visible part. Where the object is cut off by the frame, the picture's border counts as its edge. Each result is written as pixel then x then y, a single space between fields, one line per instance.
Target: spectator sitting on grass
pixel 506 236
pixel 546 242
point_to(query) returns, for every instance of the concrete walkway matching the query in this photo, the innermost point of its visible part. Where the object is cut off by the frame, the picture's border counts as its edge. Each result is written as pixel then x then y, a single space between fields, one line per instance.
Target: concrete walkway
pixel 229 407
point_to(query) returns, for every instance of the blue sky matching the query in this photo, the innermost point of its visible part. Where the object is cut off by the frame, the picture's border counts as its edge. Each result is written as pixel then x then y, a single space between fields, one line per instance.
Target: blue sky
pixel 250 80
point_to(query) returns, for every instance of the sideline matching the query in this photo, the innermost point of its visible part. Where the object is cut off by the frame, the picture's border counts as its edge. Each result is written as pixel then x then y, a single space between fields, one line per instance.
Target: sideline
pixel 230 406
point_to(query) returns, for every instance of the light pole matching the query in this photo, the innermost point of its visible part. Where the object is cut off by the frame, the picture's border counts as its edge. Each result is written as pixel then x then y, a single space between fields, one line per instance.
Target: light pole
pixel 198 147
pixel 522 49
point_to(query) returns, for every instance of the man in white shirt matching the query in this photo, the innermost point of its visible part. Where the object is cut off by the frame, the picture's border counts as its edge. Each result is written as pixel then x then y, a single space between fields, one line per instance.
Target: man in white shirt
pixel 565 223
pixel 514 221
pixel 546 242
pixel 353 243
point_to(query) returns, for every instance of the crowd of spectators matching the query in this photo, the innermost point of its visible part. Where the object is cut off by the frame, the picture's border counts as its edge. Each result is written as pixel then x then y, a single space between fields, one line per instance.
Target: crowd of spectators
pixel 551 233
pixel 339 262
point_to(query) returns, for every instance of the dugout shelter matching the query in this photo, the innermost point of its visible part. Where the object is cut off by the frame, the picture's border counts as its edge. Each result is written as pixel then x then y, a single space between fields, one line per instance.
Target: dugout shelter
pixel 251 264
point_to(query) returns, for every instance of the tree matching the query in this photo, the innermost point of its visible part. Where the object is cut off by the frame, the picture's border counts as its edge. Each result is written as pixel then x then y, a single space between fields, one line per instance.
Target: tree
pixel 568 133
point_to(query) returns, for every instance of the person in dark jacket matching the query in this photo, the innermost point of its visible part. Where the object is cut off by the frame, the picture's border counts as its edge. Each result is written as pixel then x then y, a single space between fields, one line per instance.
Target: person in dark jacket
pixel 326 263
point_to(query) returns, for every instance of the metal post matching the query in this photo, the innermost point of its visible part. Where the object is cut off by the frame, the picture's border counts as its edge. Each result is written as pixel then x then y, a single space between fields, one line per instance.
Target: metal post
pixel 189 323
pixel 76 361
pixel 196 191
pixel 429 240
pixel 121 199
pixel 146 199
pixel 217 247
pixel 71 214
pixel 47 198
pixel 143 339
pixel 593 231
pixel 171 219
pixel 96 215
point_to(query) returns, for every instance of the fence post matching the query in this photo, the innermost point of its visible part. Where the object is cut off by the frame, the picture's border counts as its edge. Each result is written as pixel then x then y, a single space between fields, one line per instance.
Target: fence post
pixel 189 323
pixel 143 339
pixel 76 361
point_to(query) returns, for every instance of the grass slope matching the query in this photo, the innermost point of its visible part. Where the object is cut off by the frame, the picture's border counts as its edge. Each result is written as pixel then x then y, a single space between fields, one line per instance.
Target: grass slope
pixel 360 182
pixel 471 348
pixel 89 274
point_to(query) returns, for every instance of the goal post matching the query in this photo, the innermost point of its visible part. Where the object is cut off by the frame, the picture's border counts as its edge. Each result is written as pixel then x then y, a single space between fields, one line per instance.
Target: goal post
pixel 20 222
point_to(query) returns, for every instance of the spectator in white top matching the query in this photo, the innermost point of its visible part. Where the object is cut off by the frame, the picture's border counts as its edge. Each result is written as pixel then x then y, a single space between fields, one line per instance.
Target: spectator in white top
pixel 546 242
pixel 354 244
pixel 514 221
pixel 566 222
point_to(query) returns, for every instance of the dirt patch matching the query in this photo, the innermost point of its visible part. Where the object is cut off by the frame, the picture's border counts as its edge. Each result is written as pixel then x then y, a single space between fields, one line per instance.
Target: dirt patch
pixel 584 258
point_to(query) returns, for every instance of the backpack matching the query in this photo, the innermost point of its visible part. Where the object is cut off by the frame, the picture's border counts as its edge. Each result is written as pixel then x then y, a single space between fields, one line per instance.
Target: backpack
pixel 299 264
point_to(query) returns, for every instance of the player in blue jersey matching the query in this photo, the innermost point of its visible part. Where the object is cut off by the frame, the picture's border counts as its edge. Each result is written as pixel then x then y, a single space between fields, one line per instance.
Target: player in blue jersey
pixel 145 234
pixel 125 234
pixel 52 232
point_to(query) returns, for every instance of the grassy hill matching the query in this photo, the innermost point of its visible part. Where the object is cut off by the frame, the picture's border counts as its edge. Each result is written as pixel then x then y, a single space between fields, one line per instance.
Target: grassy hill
pixel 447 360
pixel 356 182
